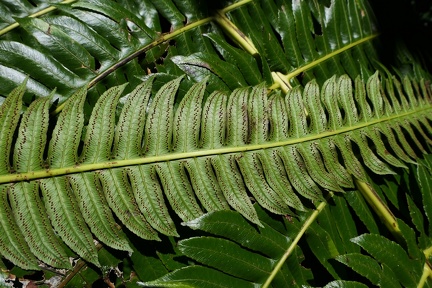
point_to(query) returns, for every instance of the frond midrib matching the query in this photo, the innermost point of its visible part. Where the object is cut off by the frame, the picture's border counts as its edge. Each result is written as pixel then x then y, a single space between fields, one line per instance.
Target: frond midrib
pixel 40 174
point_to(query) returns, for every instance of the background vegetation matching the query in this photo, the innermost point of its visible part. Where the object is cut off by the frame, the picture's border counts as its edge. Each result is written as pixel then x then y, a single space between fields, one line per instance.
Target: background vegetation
pixel 340 239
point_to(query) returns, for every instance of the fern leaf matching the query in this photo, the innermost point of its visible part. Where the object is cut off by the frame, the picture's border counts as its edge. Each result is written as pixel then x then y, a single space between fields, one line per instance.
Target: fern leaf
pixel 273 165
pixel 238 261
pixel 365 265
pixel 187 120
pixel 63 151
pixel 233 186
pixel 12 244
pixel 95 210
pixel 295 167
pixel 66 218
pixel 200 278
pixel 157 136
pixel 205 184
pixel 29 212
pixel 214 121
pixel 178 190
pixel 127 145
pixel 63 147
pixel 239 240
pixel 129 132
pixel 28 154
pixel 74 57
pixel 330 159
pixel 100 130
pixel 149 197
pixel 393 253
pixel 9 117
pixel 316 168
pixel 423 175
pixel 119 196
pixel 254 178
pixel 235 151
pixel 61 206
pixel 26 204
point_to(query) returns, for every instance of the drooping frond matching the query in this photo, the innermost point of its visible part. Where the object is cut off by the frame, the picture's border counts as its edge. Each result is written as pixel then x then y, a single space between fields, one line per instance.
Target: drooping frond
pixel 281 152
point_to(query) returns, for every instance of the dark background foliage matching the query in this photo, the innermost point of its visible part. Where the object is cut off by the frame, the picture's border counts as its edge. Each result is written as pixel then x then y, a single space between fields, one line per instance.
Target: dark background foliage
pixel 401 22
pixel 406 22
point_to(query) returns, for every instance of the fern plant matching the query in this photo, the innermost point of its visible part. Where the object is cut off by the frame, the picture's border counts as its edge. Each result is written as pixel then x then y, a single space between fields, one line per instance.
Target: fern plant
pixel 141 124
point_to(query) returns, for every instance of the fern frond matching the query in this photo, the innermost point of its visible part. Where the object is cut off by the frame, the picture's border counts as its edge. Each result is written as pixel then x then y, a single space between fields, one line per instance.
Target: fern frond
pixel 238 149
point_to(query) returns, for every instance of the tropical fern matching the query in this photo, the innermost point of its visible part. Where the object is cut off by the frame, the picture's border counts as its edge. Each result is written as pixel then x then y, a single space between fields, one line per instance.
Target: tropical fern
pixel 274 256
pixel 201 156
pixel 97 149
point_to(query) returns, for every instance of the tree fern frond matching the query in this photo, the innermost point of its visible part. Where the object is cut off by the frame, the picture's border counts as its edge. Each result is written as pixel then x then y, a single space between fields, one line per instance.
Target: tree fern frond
pixel 231 154
pixel 330 236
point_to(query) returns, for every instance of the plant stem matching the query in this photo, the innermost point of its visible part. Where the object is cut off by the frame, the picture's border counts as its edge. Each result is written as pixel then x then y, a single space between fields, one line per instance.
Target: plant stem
pixel 380 208
pixel 235 6
pixel 428 252
pixel 235 33
pixel 427 272
pixel 279 79
pixel 34 15
pixel 291 248
pixel 289 76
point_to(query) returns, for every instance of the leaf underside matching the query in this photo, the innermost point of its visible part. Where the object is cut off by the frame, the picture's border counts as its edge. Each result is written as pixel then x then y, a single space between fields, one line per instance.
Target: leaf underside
pixel 208 153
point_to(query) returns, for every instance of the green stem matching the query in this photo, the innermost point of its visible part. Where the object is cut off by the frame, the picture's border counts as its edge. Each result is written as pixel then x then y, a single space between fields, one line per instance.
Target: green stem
pixel 37 14
pixel 380 208
pixel 427 272
pixel 279 79
pixel 428 252
pixel 291 248
pixel 289 76
pixel 235 6
pixel 235 33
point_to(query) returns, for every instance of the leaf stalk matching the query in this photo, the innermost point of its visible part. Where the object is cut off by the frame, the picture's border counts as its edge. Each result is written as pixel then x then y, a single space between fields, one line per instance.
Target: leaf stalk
pixel 291 248
pixel 427 272
pixel 34 15
pixel 237 35
pixel 289 76
pixel 428 252
pixel 279 79
pixel 235 6
pixel 379 207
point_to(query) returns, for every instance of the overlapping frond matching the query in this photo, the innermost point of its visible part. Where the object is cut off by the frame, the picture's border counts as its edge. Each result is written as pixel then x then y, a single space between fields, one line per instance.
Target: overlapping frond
pixel 100 44
pixel 83 42
pixel 237 253
pixel 206 154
